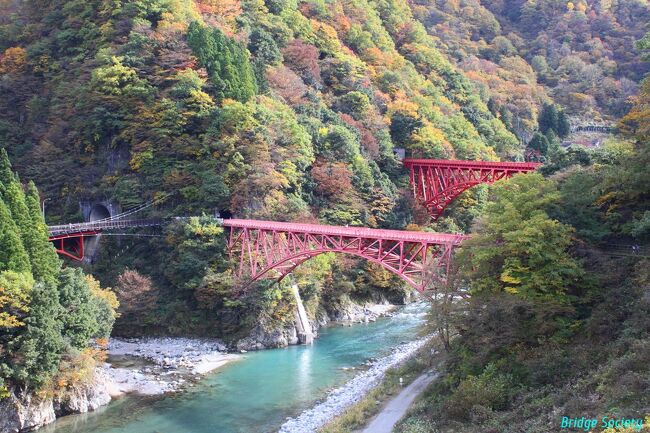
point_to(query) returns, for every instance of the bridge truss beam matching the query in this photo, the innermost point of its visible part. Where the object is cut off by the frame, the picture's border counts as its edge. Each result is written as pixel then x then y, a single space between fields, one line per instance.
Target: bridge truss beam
pixel 437 183
pixel 71 245
pixel 272 249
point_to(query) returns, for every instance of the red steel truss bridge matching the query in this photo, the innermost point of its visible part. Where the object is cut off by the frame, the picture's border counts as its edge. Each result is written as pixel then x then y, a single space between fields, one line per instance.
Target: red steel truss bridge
pixel 267 248
pixel 437 182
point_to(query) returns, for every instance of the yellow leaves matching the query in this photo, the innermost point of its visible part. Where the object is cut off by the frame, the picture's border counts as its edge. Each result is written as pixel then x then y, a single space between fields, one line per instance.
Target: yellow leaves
pixel 15 291
pixel 227 102
pixel 608 197
pixel 379 276
pixel 326 32
pixel 169 24
pixel 73 370
pixel 106 294
pixel 289 170
pixel 140 158
pixel 507 277
pixel 199 101
pixel 637 121
pixel 7 320
pixel 180 13
pixel 13 61
pixel 430 134
pixel 404 106
pixel 198 228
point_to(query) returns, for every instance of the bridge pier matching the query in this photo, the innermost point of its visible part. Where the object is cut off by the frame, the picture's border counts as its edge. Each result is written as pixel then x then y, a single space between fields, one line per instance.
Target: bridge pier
pixel 303 327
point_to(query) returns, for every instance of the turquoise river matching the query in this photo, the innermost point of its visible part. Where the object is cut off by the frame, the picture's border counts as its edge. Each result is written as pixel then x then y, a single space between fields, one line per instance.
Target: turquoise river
pixel 257 393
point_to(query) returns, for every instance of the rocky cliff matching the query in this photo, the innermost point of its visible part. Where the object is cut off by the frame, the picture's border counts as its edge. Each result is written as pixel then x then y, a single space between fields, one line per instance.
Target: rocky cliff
pixel 23 411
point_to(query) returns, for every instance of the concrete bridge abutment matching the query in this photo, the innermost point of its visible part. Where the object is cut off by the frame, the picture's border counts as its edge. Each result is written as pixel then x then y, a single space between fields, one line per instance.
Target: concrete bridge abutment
pixel 303 327
pixel 94 211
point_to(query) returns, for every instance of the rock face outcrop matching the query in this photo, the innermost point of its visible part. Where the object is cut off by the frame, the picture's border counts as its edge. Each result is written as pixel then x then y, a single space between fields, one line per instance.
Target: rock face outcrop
pixel 261 338
pixel 25 412
pixel 264 337
pixel 85 397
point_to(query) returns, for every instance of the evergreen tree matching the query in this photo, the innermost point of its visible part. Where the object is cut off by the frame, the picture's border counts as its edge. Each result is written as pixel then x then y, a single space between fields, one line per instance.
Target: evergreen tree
pixel 14 198
pixel 539 143
pixel 563 126
pixel 226 61
pixel 13 256
pixel 40 322
pixel 548 118
pixel 45 262
pixel 6 175
pixel 79 309
pixel 264 48
pixel 34 355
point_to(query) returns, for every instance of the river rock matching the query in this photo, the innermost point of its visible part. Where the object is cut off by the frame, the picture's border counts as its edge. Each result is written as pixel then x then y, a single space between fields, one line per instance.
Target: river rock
pixel 21 413
pixel 85 397
pixel 25 412
pixel 262 338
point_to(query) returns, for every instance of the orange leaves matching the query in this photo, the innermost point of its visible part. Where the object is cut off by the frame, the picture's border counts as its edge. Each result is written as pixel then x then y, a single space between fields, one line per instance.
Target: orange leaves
pixel 287 84
pixel 13 61
pixel 637 121
pixel 75 369
pixel 225 11
pixel 333 179
pixel 303 59
pixel 405 106
pixel 136 293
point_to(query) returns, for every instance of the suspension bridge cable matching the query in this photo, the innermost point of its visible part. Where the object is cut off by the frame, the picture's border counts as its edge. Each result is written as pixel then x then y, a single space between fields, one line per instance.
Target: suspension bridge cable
pixel 133 210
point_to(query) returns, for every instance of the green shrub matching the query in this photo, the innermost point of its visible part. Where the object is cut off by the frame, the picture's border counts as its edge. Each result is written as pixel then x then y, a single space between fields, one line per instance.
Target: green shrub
pixel 490 390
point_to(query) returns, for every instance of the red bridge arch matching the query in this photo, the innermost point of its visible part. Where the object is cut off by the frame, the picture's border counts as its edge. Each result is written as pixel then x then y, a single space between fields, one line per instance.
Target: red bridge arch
pixel 436 182
pixel 264 247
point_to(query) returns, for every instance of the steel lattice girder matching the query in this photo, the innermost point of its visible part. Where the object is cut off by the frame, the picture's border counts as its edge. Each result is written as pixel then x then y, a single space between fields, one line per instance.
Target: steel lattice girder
pixel 74 242
pixel 436 183
pixel 266 247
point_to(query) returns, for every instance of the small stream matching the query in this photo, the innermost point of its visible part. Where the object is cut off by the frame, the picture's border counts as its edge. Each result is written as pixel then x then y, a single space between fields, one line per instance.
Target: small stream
pixel 257 393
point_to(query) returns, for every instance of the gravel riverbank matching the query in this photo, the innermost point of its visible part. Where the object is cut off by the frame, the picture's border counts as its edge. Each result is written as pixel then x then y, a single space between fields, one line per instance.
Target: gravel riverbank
pixel 168 364
pixel 341 398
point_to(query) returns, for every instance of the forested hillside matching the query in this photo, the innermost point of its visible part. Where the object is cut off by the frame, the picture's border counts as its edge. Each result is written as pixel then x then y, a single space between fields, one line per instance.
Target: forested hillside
pixel 292 111
pixel 579 54
pixel 272 110
pixel 289 111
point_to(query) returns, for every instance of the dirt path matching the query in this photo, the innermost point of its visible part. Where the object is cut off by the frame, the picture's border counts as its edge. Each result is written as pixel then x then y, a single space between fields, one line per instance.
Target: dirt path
pixel 397 407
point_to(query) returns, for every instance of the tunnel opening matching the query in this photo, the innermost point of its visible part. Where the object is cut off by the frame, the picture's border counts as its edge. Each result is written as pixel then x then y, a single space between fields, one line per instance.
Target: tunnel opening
pixel 99 212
